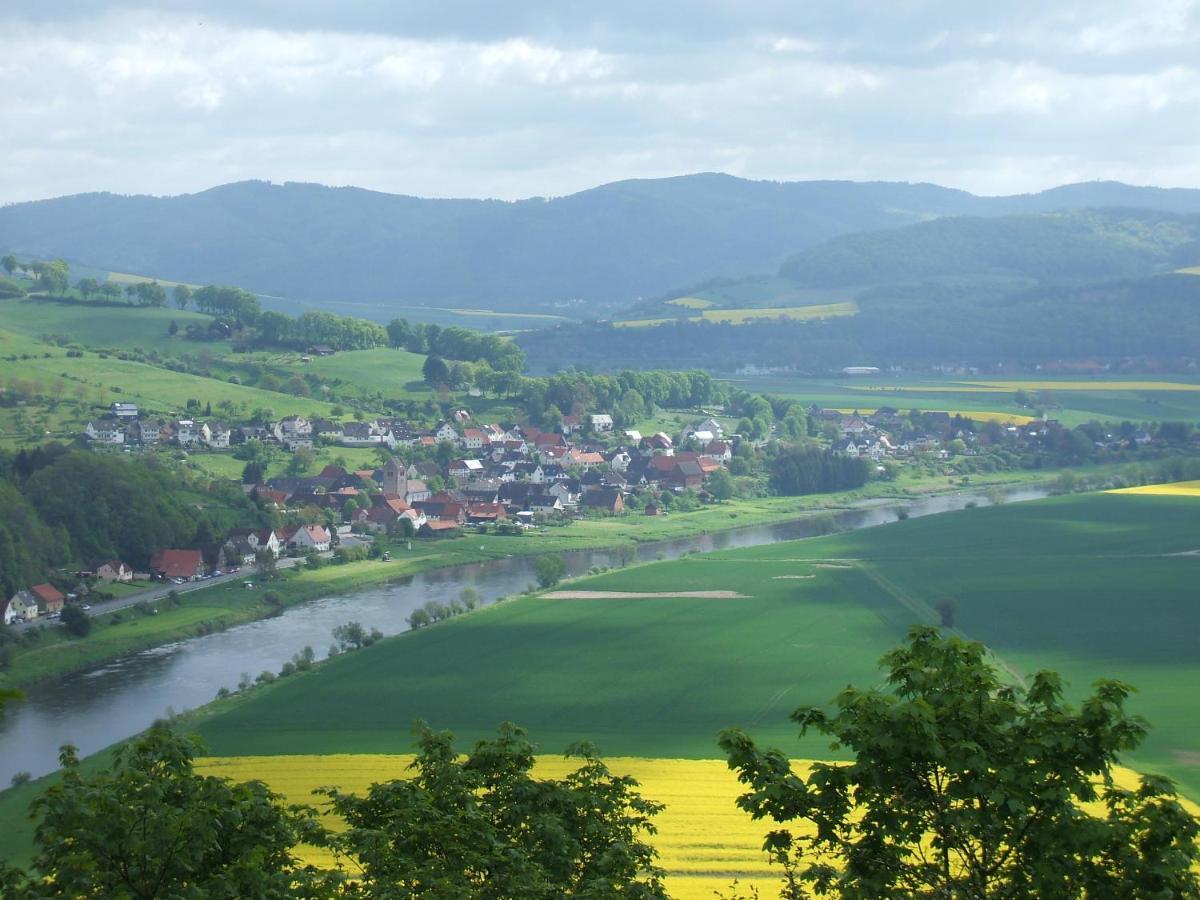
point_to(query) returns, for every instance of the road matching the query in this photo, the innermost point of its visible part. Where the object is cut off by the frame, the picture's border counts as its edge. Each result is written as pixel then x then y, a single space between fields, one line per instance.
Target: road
pixel 159 591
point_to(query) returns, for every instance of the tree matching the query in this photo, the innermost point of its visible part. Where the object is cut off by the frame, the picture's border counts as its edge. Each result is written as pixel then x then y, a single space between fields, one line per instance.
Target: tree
pixel 149 826
pixel 302 460
pixel 549 569
pixel 54 276
pixel 962 786
pixel 720 484
pixel 77 622
pixel 10 263
pixel 264 563
pixel 182 295
pixel 351 636
pixel 483 826
pixel 87 287
pixel 435 371
pixel 173 328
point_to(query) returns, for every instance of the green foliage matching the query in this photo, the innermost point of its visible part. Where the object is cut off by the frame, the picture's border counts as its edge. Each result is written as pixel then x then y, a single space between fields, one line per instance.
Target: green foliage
pixel 549 569
pixel 457 343
pixel 148 826
pixel 29 547
pixel 812 470
pixel 1079 244
pixel 77 622
pixel 435 371
pixel 484 827
pixel 112 507
pixel 963 786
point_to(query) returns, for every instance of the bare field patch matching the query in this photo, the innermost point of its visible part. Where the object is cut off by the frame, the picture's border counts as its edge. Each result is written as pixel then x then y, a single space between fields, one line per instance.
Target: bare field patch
pixel 642 595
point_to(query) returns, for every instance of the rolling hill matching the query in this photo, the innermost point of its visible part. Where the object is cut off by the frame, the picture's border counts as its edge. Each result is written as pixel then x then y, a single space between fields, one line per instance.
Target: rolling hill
pixel 589 253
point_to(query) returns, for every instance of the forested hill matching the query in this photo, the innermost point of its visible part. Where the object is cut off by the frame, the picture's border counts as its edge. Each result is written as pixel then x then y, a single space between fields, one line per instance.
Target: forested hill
pixel 602 248
pixel 1076 245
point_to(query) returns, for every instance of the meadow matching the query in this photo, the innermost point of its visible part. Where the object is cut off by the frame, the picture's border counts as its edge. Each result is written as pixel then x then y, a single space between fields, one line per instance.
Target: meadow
pixel 113 327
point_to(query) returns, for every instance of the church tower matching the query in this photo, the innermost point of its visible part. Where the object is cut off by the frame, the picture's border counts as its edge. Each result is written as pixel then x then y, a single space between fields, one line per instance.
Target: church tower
pixel 395 478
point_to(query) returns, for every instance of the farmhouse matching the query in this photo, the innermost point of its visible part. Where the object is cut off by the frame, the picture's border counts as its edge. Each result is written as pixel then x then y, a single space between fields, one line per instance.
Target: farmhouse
pixel 606 500
pixel 307 537
pixel 187 564
pixel 21 607
pixel 111 570
pixel 105 431
pixel 49 599
pixel 438 528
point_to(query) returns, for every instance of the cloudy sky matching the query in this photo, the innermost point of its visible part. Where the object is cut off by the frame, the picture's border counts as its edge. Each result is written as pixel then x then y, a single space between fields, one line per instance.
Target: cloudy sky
pixel 514 98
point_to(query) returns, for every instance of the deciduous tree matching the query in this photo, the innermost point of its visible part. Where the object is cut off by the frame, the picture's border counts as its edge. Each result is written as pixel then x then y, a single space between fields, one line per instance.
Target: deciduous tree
pixel 963 786
pixel 484 827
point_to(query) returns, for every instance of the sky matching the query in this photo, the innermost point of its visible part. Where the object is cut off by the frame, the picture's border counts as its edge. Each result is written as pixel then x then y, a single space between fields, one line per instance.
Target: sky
pixel 510 99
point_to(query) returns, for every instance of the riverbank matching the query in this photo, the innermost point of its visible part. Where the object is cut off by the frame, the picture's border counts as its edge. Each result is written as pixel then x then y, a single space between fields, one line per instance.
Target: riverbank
pixel 223 606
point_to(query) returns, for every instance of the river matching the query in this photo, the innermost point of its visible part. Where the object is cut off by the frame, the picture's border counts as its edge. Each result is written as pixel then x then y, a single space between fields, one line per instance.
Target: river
pixel 97 707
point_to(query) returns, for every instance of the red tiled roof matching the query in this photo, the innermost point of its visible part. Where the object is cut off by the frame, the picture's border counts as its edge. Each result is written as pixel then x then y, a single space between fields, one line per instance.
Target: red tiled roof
pixel 177 563
pixel 48 593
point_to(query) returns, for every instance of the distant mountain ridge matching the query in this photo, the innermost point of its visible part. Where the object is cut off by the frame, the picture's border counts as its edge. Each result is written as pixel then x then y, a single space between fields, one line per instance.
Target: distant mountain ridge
pixel 597 250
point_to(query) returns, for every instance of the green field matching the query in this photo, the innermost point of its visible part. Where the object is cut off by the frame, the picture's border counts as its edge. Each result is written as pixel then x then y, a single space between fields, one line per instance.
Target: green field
pixel 1110 399
pixel 1087 585
pixel 394 373
pixel 114 327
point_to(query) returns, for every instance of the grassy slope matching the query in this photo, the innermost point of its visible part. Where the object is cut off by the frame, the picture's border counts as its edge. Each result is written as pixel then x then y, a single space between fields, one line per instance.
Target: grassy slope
pixel 103 380
pixel 1053 584
pixel 119 327
pixel 363 372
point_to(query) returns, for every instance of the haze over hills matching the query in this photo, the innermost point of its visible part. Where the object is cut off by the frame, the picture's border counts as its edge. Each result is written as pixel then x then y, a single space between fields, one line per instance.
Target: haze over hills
pixel 601 249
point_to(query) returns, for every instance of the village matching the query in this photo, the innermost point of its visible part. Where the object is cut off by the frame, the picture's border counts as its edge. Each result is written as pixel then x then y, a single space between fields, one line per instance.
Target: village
pixel 461 475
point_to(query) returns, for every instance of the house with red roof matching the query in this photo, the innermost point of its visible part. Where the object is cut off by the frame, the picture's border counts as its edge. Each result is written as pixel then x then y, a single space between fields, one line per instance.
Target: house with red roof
pixel 187 564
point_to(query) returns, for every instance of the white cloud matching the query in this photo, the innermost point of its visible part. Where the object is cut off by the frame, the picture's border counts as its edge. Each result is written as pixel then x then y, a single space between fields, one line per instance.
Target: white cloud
pixel 541 103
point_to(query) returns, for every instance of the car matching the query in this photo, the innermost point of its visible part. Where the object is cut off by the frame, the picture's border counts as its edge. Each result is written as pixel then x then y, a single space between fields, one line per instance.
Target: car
pixel 85 606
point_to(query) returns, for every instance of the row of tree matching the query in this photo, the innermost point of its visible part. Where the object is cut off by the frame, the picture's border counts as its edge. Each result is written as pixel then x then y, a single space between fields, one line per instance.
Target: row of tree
pixel 456 343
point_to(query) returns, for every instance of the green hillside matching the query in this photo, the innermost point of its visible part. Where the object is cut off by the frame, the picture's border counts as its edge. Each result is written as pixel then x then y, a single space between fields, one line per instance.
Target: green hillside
pixel 1080 245
pixel 598 249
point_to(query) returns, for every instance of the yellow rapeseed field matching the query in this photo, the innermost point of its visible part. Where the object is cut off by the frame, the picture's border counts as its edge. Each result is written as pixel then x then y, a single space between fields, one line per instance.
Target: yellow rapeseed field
pixel 738 316
pixel 691 302
pixel 978 416
pixel 1174 489
pixel 704 841
pixel 997 387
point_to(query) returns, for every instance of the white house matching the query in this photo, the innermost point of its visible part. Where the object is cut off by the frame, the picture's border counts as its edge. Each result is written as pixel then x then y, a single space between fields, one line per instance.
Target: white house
pixel 620 461
pixel 21 608
pixel 602 422
pixel 218 435
pixel 310 537
pixel 188 431
pixel 105 431
pixel 445 432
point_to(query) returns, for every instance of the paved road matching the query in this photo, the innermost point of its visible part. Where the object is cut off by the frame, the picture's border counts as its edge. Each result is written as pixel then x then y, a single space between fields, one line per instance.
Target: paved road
pixel 160 590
